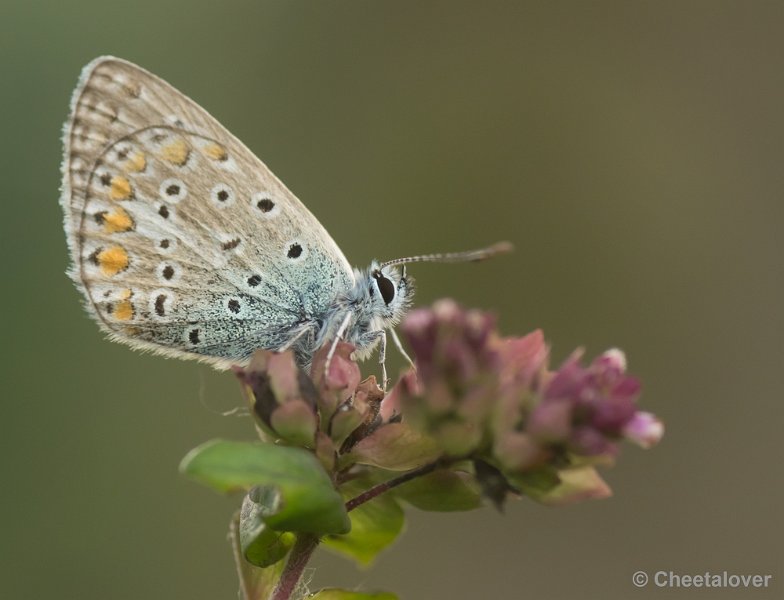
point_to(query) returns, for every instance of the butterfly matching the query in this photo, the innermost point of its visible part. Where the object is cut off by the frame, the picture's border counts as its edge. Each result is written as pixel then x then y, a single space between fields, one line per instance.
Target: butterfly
pixel 185 244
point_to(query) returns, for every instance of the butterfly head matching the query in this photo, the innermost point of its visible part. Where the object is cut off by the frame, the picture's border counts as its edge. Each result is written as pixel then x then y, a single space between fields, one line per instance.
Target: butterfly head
pixel 386 292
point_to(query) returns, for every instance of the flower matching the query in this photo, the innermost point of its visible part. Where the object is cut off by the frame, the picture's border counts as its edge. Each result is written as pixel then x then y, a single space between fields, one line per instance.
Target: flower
pixel 492 399
pixel 294 407
pixel 586 409
pixel 644 429
pixel 457 378
pixel 475 398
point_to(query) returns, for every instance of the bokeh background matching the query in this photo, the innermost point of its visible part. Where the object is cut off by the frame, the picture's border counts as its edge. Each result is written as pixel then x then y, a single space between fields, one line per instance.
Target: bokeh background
pixel 632 151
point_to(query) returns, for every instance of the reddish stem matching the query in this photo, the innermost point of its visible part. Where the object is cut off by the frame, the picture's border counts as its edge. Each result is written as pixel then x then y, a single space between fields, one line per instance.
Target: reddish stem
pixel 298 559
pixel 379 489
pixel 306 543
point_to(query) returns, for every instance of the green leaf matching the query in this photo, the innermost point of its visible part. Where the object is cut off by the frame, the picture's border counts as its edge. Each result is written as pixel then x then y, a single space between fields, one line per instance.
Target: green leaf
pixel 308 502
pixel 566 486
pixel 336 594
pixel 396 447
pixel 254 582
pixel 535 483
pixel 442 491
pixel 261 545
pixel 374 525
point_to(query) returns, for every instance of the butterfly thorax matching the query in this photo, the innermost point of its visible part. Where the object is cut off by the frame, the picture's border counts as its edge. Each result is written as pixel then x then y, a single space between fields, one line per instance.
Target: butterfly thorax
pixel 377 301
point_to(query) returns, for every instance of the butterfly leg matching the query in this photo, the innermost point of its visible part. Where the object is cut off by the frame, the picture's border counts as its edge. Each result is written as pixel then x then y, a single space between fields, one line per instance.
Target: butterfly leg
pixel 293 340
pixel 400 348
pixel 382 359
pixel 338 336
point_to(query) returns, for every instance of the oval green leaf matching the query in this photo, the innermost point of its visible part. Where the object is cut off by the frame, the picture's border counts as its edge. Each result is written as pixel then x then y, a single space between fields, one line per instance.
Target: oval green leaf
pixel 308 502
pixel 260 544
pixel 441 491
pixel 374 525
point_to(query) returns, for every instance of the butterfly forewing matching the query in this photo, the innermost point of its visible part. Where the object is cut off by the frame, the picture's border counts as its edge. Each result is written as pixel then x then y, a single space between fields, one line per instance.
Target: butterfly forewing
pixel 181 239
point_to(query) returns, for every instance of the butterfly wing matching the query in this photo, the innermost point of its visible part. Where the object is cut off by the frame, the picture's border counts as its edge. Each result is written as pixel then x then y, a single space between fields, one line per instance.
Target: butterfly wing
pixel 182 241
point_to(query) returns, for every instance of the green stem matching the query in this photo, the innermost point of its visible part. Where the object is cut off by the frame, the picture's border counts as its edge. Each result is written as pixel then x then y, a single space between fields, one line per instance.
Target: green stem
pixel 300 555
pixel 234 538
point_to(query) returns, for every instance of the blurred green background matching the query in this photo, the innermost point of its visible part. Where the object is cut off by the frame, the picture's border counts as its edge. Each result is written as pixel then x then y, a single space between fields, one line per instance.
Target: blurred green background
pixel 632 151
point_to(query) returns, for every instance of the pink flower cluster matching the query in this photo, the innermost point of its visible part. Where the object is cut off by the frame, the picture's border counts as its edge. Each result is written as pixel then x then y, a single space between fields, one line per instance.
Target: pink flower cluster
pixel 474 397
pixel 494 399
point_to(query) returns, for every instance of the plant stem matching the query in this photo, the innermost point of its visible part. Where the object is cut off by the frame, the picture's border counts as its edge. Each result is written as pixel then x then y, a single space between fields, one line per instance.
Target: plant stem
pixel 379 489
pixel 307 543
pixel 300 555
pixel 234 538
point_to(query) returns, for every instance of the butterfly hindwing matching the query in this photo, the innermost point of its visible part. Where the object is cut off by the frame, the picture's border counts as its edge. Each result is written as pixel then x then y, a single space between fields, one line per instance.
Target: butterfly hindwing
pixel 181 239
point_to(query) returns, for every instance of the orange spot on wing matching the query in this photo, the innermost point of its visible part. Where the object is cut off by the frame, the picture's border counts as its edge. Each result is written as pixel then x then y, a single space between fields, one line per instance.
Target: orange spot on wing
pixel 176 152
pixel 117 221
pixel 216 152
pixel 136 163
pixel 123 310
pixel 120 188
pixel 112 260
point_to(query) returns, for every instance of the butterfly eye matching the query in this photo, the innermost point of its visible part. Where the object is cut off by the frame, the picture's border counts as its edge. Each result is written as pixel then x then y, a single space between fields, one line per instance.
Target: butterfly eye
pixel 385 287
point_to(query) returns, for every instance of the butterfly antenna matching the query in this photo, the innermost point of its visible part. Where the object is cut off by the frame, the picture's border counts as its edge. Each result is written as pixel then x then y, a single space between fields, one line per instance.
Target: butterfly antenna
pixel 453 257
